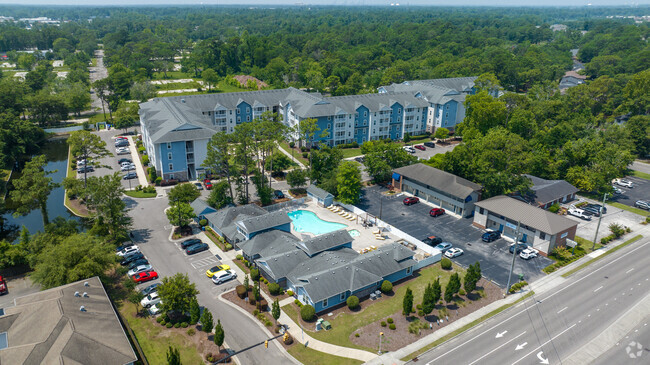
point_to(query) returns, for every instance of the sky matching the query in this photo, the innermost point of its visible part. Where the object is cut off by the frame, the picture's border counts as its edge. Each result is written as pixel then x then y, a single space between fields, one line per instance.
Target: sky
pixel 337 2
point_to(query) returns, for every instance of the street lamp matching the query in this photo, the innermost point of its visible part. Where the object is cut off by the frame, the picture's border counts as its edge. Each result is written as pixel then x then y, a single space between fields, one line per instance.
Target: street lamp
pixel 600 216
pixel 380 334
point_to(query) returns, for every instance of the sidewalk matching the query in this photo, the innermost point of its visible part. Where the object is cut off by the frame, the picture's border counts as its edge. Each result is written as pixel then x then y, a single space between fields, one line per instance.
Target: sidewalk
pixel 291 157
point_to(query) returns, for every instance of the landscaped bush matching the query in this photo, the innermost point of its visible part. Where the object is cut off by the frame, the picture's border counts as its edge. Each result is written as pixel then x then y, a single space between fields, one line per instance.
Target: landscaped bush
pixel 228 247
pixel 419 306
pixel 145 161
pixel 292 144
pixel 274 288
pixel 304 149
pixel 191 331
pixel 251 298
pixel 268 323
pixel 386 287
pixel 203 222
pixel 461 292
pixel 383 324
pixel 392 326
pixel 241 291
pixel 298 303
pixel 515 287
pixel 240 257
pixel 256 312
pixel 208 357
pixel 357 334
pixel 262 305
pixel 159 319
pixel 177 325
pixel 307 312
pixel 445 263
pixel 184 324
pixel 290 292
pixel 158 180
pixel 353 302
pixel 420 313
pixel 389 320
pixel 255 274
pixel 554 208
pixel 168 325
pixel 305 155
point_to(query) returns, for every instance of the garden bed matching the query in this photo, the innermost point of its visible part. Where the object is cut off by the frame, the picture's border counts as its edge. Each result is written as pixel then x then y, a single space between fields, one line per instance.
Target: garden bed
pixel 216 239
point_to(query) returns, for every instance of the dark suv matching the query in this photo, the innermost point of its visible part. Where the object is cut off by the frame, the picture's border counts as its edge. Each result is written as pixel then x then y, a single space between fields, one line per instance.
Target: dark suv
pixel 520 247
pixel 432 241
pixel 187 243
pixel 491 236
pixel 429 144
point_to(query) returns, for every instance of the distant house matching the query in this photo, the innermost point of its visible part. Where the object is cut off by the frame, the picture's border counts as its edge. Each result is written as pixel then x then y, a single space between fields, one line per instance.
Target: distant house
pixel 537 227
pixel 571 79
pixel 558 27
pixel 223 221
pixel 548 192
pixel 446 190
pixel 321 196
pixel 70 324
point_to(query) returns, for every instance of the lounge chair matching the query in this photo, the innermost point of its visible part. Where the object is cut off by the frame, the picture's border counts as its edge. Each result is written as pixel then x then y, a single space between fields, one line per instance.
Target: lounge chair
pixel 341 213
pixel 382 238
pixel 351 218
pixel 373 248
pixel 376 232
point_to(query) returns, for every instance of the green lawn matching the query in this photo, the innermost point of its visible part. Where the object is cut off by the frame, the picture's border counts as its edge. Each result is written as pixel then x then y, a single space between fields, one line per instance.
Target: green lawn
pixel 640 174
pixel 139 194
pixel 351 152
pixel 465 328
pixel 586 245
pixel 179 85
pixel 99 117
pixel 642 212
pixel 172 75
pixel 609 252
pixel 155 340
pixel 312 357
pixel 296 154
pixel 345 324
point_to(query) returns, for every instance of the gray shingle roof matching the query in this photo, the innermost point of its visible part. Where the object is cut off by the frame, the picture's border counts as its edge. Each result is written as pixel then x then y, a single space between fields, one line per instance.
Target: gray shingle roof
pixel 325 242
pixel 527 214
pixel 281 264
pixel 171 120
pixel 318 192
pixel 441 180
pixel 201 207
pixel 48 328
pixel 436 91
pixel 229 215
pixel 266 221
pixel 310 105
pixel 545 191
pixel 269 243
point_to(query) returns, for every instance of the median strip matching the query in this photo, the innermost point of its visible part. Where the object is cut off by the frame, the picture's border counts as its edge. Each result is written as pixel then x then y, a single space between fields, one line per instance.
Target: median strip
pixel 609 252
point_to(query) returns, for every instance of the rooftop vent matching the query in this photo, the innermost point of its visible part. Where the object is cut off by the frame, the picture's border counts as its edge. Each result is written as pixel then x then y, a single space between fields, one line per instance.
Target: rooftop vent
pixel 85 295
pixel 183 101
pixel 76 294
pixel 86 283
pixel 82 308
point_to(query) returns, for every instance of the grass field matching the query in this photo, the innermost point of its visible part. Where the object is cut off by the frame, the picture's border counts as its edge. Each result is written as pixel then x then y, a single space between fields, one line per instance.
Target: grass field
pixel 640 174
pixel 609 252
pixel 139 194
pixel 312 357
pixel 345 324
pixel 351 152
pixel 296 154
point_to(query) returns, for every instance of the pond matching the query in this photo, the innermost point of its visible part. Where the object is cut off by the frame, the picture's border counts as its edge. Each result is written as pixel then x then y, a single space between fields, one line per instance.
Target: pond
pixel 56 152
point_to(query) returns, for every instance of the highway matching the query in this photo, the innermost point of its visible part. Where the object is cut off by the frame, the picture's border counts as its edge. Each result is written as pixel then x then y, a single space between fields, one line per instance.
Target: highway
pixel 634 348
pixel 548 328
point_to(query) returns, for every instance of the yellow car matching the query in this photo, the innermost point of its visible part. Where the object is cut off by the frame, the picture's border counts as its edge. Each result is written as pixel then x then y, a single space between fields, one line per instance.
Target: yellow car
pixel 216 269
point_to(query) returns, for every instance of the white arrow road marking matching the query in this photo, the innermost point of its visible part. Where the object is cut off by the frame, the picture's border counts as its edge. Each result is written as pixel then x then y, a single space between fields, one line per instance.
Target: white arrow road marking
pixel 544 344
pixel 542 360
pixel 480 358
pixel 499 335
pixel 520 347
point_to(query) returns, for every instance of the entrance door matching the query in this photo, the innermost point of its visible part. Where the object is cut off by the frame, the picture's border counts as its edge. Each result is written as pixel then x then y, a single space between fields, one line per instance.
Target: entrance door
pixel 501 228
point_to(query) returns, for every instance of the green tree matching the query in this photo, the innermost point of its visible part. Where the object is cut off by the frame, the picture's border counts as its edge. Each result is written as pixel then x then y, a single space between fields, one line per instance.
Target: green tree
pixel 638 128
pixel 219 197
pixel 275 310
pixel 207 322
pixel 33 188
pixel 348 180
pixel 453 286
pixel 278 163
pixel 441 133
pixel 307 129
pixel 26 61
pixel 470 279
pixel 195 311
pixel 76 257
pixel 102 92
pixel 219 334
pixel 87 146
pixel 46 108
pixel 103 196
pixel 428 302
pixel 177 293
pixel 77 97
pixel 142 91
pixel 210 77
pixel 436 291
pixel 297 178
pixel 180 197
pixel 483 112
pixel 324 164
pixel 126 115
pixel 407 303
pixel 218 159
pixel 381 157
pixel 173 356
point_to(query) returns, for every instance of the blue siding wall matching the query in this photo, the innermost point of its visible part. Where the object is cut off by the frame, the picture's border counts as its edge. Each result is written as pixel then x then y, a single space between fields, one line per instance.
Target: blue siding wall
pixel 245 113
pixel 397 276
pixel 423 120
pixel 178 160
pixel 359 128
pixel 449 115
pixel 395 129
pixel 322 123
pixel 331 301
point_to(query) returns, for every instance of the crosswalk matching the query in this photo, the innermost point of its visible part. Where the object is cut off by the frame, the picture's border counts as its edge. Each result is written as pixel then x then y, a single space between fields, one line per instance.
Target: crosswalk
pixel 203 262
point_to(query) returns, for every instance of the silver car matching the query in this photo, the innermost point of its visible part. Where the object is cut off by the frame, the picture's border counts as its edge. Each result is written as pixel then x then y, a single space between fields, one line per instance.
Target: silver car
pixel 642 204
pixel 139 269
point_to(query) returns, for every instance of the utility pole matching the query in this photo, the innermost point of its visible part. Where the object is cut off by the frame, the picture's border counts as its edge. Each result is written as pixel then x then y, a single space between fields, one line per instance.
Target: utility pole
pixel 600 216
pixel 514 255
pixel 380 334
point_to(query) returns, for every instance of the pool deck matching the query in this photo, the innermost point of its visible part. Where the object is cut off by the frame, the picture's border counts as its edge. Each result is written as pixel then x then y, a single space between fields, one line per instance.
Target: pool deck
pixel 366 236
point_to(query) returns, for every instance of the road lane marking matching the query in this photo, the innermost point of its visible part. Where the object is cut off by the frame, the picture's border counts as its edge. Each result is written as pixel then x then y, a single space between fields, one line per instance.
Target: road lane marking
pixel 544 344
pixel 629 271
pixel 597 289
pixel 500 334
pixel 507 342
pixel 562 310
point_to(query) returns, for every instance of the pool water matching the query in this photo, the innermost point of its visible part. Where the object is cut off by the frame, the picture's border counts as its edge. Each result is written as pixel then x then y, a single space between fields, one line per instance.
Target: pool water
pixel 354 233
pixel 308 222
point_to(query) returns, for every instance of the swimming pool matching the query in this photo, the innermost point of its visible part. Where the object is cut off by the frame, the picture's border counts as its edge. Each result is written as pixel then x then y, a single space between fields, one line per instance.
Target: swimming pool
pixel 308 222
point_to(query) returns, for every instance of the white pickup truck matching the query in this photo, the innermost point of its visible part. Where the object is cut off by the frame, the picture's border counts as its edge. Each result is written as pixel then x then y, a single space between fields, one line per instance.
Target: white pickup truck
pixel 579 213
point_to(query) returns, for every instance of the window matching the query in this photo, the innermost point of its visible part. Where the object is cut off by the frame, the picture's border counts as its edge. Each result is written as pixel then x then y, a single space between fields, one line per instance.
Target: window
pixel 171 166
pixel 171 176
pixel 446 115
pixel 231 112
pixel 342 296
pixel 542 235
pixel 447 107
pixel 169 145
pixel 329 117
pixel 248 110
pixel 409 270
pixel 481 211
pixel 238 119
pixel 324 303
pixel 169 155
pixel 399 110
pixel 238 111
pixel 365 114
pixel 329 125
pixel 248 118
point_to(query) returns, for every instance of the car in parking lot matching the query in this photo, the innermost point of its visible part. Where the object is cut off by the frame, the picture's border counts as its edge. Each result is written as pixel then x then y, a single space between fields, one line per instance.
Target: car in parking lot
pixel 436 212
pixel 124 245
pixel 598 207
pixel 127 167
pixel 130 175
pixel 121 143
pixel 591 210
pixel 123 160
pixel 127 260
pixel 453 252
pixel 207 183
pixel 642 204
pixel 199 247
pixel 359 159
pixel 128 250
pixel 409 149
pixel 410 200
pixel 122 137
pixel 490 236
pixel 142 277
pixel 429 144
pixel 223 276
pixel 83 169
pixel 528 254
pixel 139 269
pixel 187 243
pixel 138 262
pixel 150 289
pixel 278 194
pixel 617 190
pixel 122 151
pixel 625 183
pixel 198 186
pixel 212 271
pixel 149 300
pixel 432 241
pixel 579 213
pixel 155 309
pixel 444 246
pixel 420 147
pixel 519 246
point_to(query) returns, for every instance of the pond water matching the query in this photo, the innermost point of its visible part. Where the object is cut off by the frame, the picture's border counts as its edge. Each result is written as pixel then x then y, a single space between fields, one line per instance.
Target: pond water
pixel 56 152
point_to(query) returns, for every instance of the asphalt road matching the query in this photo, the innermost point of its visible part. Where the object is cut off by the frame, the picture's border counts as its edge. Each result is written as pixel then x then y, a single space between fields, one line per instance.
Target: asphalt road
pixel 151 230
pixel 634 348
pixel 552 326
pixel 494 257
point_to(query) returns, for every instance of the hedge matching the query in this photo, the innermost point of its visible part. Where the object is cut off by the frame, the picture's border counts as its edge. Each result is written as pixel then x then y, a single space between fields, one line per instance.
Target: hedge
pixel 274 288
pixel 445 263
pixel 386 287
pixel 353 302
pixel 307 312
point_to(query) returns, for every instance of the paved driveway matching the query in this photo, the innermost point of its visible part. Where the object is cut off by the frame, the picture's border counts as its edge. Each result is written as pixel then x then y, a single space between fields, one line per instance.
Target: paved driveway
pixel 18 286
pixel 415 220
pixel 640 191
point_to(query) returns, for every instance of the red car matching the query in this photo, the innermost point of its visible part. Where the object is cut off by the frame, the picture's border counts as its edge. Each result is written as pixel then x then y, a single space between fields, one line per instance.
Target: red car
pixel 411 200
pixel 436 212
pixel 208 184
pixel 142 277
pixel 420 147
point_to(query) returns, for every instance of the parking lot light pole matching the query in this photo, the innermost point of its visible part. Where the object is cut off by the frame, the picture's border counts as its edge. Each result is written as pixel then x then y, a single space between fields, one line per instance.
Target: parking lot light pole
pixel 600 216
pixel 514 255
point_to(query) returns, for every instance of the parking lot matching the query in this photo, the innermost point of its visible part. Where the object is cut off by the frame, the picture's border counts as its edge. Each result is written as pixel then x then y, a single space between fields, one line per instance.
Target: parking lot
pixel 640 191
pixel 439 148
pixel 414 220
